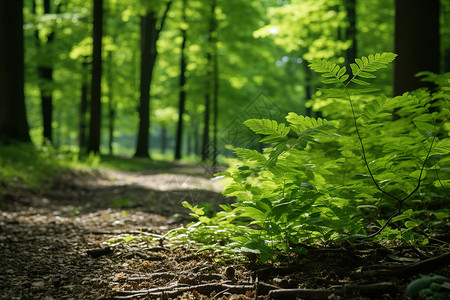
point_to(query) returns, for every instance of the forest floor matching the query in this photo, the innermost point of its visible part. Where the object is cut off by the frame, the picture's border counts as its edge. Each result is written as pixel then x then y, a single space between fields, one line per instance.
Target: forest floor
pixel 54 245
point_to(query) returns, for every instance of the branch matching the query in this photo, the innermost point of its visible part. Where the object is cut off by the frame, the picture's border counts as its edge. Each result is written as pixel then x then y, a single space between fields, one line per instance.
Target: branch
pixel 400 201
pixel 163 18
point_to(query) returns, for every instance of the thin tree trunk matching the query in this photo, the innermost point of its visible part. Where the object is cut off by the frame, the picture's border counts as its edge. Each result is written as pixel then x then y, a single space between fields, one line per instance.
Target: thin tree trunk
pixel 206 147
pixel 13 120
pixel 163 138
pixel 111 104
pixel 149 37
pixel 416 42
pixel 182 96
pixel 308 88
pixel 45 72
pixel 215 75
pixel 350 32
pixel 95 121
pixel 83 105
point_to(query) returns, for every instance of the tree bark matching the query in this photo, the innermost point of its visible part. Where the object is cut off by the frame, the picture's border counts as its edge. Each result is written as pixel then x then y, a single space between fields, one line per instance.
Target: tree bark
pixel 95 121
pixel 215 92
pixel 45 71
pixel 416 42
pixel 149 36
pixel 13 120
pixel 111 104
pixel 350 32
pixel 182 91
pixel 83 105
pixel 210 86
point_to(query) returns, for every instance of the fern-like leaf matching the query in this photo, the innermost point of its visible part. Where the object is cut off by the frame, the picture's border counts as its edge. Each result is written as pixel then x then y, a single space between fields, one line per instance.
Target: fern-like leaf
pixel 363 67
pixel 334 72
pixel 267 127
pixel 251 155
pixel 301 123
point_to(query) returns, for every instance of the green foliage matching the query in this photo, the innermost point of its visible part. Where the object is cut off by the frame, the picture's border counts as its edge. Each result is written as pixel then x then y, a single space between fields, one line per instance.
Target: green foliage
pixel 428 287
pixel 24 164
pixel 315 183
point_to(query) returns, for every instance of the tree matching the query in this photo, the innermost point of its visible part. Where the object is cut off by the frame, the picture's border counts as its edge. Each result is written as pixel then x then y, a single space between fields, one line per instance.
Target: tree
pixel 95 121
pixel 210 86
pixel 45 72
pixel 416 42
pixel 151 27
pixel 83 105
pixel 350 32
pixel 182 88
pixel 13 120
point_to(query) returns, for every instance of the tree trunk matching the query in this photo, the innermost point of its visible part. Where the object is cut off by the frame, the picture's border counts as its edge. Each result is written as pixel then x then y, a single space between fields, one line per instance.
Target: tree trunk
pixel 149 36
pixel 416 42
pixel 95 121
pixel 163 138
pixel 13 120
pixel 111 104
pixel 45 71
pixel 83 106
pixel 215 92
pixel 350 31
pixel 182 96
pixel 209 87
pixel 308 88
pixel 148 58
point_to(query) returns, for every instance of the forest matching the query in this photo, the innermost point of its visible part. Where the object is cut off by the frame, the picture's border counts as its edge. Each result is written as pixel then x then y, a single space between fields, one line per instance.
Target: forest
pixel 213 149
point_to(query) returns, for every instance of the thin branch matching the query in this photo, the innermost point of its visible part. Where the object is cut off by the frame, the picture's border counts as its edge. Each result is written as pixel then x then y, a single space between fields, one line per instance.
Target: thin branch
pixel 400 201
pixel 364 150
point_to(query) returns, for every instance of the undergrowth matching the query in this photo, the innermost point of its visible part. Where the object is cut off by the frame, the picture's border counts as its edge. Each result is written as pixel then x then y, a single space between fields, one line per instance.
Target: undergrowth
pixel 377 168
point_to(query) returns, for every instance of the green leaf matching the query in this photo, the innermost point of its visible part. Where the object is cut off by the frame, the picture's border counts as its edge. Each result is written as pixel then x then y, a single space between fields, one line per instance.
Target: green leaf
pixel 355 69
pixel 267 127
pixel 366 75
pixel 341 72
pixel 417 285
pixel 360 82
pixel 344 78
pixel 411 224
pixel 252 212
pixel 331 80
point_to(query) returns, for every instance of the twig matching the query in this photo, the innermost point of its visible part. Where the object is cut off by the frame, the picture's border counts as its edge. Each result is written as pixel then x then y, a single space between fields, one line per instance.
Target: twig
pixel 338 290
pixel 205 289
pixel 410 269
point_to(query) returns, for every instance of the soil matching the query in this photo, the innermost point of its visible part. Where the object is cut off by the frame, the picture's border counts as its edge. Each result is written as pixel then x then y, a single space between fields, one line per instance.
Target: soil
pixel 96 235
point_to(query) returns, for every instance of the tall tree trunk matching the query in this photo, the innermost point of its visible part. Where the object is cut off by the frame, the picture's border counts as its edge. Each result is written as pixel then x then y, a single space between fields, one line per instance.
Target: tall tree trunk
pixel 416 42
pixel 308 88
pixel 95 121
pixel 111 104
pixel 13 120
pixel 350 32
pixel 163 138
pixel 215 74
pixel 83 105
pixel 149 36
pixel 205 141
pixel 45 71
pixel 209 85
pixel 148 58
pixel 182 96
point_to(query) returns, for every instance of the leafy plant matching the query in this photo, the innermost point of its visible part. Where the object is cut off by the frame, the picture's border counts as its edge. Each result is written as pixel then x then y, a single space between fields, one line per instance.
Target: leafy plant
pixel 316 183
pixel 428 287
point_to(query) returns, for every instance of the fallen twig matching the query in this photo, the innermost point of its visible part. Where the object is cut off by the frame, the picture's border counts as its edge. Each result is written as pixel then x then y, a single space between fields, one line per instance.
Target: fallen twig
pixel 408 270
pixel 337 290
pixel 205 289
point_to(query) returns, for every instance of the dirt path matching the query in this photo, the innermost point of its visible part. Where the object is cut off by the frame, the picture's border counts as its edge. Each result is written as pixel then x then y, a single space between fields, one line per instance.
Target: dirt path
pixel 50 242
pixel 45 236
